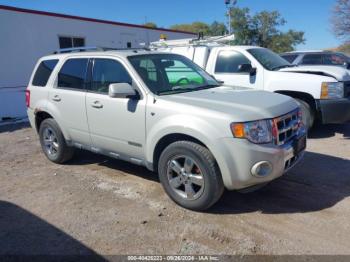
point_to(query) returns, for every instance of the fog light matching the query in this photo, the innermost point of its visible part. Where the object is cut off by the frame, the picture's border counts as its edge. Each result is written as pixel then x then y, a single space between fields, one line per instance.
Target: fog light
pixel 262 169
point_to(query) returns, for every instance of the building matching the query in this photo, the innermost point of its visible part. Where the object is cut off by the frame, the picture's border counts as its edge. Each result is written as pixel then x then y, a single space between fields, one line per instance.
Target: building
pixel 27 35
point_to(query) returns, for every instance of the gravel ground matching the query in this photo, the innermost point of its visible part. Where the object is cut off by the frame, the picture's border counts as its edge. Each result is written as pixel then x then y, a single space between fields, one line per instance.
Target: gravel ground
pixel 99 205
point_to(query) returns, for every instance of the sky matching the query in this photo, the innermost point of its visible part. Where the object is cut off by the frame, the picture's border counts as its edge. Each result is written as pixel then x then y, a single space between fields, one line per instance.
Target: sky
pixel 310 16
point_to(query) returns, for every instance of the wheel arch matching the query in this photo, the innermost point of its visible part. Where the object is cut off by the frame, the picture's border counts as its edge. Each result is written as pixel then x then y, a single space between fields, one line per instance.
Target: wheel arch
pixel 300 95
pixel 168 139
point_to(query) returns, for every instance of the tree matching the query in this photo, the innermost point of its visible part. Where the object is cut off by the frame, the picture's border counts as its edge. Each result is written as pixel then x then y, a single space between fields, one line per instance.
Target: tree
pixel 341 19
pixel 195 27
pixel 262 29
pixel 217 29
pixel 150 25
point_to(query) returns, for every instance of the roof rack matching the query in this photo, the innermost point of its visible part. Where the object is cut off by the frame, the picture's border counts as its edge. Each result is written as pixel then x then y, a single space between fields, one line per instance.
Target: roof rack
pixel 193 41
pixel 94 48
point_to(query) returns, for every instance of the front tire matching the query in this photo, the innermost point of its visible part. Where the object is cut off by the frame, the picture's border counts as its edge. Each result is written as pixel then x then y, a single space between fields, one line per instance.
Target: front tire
pixel 308 114
pixel 53 143
pixel 190 175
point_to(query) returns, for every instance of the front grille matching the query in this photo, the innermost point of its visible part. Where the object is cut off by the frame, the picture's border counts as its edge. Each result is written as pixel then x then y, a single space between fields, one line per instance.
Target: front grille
pixel 286 127
pixel 347 89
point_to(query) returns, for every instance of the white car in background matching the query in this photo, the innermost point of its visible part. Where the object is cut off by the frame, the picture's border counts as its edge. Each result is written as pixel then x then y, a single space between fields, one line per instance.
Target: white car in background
pixel 316 58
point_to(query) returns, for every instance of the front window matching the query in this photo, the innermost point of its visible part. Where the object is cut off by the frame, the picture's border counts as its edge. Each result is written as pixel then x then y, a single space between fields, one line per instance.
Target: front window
pixel 169 74
pixel 268 59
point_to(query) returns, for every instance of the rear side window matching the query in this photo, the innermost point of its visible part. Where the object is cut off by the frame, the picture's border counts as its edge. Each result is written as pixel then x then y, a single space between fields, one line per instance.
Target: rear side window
pixel 229 61
pixel 290 58
pixel 43 72
pixel 73 73
pixel 312 59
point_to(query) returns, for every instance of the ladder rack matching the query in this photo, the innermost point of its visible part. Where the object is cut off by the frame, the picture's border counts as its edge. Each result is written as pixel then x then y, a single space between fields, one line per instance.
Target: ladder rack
pixel 193 41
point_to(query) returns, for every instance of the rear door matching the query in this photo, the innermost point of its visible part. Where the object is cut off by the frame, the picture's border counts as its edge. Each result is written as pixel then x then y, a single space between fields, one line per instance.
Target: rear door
pixel 67 100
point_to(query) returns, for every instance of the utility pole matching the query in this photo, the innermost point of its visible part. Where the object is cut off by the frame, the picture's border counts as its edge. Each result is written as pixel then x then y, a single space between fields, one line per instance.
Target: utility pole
pixel 229 5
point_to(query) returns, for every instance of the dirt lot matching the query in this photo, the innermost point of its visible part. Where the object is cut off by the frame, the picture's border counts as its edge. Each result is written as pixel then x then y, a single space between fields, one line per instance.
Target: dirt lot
pixel 100 205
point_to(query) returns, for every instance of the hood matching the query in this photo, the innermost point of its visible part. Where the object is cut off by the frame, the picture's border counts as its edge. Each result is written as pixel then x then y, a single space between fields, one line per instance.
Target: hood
pixel 243 105
pixel 339 73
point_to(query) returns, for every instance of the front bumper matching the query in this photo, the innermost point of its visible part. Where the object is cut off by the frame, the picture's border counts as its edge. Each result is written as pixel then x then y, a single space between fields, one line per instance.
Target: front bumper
pixel 239 156
pixel 335 111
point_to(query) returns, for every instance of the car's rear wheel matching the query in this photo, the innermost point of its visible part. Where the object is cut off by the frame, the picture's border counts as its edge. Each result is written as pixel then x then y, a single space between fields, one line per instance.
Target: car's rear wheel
pixel 53 143
pixel 190 175
pixel 308 114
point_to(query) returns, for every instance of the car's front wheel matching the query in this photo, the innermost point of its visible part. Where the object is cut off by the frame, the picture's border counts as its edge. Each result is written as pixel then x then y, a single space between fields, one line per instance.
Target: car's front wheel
pixel 190 175
pixel 53 143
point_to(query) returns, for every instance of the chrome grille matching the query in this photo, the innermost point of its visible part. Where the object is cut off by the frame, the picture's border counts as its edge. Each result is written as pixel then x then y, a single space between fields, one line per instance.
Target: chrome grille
pixel 286 127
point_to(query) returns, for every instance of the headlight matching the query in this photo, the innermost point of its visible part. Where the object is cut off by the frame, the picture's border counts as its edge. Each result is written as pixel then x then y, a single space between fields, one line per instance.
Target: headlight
pixel 258 132
pixel 331 90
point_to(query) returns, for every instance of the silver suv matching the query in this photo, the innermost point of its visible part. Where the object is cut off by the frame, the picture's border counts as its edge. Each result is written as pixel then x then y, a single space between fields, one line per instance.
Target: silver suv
pixel 162 111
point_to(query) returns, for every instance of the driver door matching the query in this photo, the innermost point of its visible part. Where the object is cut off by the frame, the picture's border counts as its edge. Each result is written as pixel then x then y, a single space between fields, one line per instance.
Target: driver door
pixel 117 125
pixel 227 70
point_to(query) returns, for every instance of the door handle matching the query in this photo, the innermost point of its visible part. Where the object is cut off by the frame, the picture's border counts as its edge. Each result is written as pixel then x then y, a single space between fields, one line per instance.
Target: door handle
pixel 56 98
pixel 97 104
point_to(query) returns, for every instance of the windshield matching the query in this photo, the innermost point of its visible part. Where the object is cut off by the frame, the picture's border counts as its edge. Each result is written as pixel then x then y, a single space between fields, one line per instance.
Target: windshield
pixel 170 73
pixel 269 59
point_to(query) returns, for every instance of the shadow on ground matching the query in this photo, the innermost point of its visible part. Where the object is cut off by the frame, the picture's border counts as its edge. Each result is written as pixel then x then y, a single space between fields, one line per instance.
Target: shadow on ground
pixel 324 131
pixel 24 234
pixel 13 127
pixel 318 182
pixel 83 157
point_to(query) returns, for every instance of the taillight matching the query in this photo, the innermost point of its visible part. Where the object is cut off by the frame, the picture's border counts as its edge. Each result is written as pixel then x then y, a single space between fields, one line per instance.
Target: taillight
pixel 27 98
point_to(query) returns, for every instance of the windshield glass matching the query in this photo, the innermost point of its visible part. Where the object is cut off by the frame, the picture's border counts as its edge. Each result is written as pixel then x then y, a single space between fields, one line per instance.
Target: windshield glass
pixel 170 73
pixel 269 59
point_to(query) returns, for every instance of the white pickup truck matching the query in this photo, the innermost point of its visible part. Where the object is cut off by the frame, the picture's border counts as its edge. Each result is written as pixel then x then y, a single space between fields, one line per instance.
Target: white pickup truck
pixel 323 92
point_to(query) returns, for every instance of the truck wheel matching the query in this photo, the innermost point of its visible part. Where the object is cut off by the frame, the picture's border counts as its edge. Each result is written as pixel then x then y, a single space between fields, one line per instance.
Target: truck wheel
pixel 190 175
pixel 308 114
pixel 53 143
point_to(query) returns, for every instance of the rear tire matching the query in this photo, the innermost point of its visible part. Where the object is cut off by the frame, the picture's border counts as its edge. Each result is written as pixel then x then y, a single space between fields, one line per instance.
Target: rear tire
pixel 53 142
pixel 190 175
pixel 308 114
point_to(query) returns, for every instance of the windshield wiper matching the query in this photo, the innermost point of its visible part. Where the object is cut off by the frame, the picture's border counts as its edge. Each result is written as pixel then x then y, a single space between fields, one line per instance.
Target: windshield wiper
pixel 179 89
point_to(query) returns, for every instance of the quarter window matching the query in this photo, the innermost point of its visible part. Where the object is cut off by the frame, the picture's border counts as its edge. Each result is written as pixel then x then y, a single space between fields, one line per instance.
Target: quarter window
pixel 229 61
pixel 73 73
pixel 43 72
pixel 106 72
pixel 289 58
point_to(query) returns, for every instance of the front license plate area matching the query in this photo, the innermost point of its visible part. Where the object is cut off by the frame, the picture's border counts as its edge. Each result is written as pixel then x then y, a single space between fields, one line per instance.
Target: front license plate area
pixel 299 145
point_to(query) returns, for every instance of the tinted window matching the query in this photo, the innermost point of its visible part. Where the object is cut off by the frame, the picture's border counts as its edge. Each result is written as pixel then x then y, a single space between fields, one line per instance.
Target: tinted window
pixel 72 74
pixel 312 59
pixel 106 72
pixel 43 72
pixel 268 59
pixel 69 42
pixel 229 61
pixel 289 58
pixel 334 59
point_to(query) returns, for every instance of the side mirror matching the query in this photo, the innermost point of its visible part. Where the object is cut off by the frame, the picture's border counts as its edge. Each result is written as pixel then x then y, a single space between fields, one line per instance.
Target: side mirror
pixel 347 65
pixel 247 68
pixel 122 90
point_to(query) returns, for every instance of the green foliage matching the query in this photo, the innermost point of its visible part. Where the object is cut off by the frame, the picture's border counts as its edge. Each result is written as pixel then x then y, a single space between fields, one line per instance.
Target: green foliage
pixel 195 27
pixel 150 25
pixel 215 28
pixel 262 29
pixel 341 19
